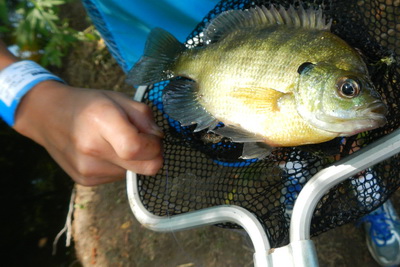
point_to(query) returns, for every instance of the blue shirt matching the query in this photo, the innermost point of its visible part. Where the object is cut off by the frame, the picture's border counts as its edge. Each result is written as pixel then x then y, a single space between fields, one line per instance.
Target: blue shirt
pixel 125 24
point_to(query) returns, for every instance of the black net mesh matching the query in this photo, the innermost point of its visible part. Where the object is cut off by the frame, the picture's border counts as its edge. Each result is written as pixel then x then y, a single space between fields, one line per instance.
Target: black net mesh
pixel 202 170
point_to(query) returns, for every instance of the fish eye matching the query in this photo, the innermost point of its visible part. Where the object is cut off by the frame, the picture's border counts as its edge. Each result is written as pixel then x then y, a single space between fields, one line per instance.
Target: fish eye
pixel 348 87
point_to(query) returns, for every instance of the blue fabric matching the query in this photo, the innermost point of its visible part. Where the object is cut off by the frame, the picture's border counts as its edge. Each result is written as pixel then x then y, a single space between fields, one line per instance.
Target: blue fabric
pixel 125 25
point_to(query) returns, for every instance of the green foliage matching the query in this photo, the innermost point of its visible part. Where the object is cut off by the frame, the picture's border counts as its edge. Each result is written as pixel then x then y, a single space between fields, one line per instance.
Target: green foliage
pixel 3 14
pixel 39 31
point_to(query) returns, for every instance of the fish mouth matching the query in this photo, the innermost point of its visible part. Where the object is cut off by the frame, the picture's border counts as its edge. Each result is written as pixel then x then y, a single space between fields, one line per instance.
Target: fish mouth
pixel 376 109
pixel 371 117
pixel 364 118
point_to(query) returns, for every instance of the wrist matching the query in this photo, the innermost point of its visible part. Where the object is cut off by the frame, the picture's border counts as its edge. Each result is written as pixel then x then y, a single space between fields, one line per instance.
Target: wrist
pixel 15 81
pixel 44 99
pixel 7 61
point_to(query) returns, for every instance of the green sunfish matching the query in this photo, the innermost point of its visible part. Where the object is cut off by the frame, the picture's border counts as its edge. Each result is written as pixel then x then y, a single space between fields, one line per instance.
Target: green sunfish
pixel 273 77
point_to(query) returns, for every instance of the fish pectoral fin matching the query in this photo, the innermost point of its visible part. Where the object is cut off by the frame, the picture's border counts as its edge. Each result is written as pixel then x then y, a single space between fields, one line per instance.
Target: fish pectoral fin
pixel 259 98
pixel 255 150
pixel 181 104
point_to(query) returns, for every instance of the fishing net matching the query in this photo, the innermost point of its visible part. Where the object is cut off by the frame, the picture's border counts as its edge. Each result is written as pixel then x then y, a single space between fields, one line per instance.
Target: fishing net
pixel 202 170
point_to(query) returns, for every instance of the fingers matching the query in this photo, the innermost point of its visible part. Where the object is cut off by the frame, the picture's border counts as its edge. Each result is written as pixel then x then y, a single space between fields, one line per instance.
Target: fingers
pixel 86 170
pixel 133 140
pixel 89 170
pixel 146 167
pixel 126 140
pixel 139 114
pixel 142 117
pixel 93 172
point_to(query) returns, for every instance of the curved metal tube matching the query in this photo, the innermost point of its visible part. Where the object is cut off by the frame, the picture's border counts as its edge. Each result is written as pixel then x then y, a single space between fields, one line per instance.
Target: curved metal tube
pixel 314 189
pixel 208 216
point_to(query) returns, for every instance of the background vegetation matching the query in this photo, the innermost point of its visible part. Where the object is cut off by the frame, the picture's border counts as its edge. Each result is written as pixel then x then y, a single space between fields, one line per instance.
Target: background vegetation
pixel 39 30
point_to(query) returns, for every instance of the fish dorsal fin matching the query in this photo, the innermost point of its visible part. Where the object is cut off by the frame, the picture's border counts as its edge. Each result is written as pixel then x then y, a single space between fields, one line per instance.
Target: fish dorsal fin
pixel 260 17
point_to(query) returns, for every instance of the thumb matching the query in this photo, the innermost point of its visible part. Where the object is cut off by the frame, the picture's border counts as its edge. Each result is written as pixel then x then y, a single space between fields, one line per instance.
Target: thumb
pixel 140 115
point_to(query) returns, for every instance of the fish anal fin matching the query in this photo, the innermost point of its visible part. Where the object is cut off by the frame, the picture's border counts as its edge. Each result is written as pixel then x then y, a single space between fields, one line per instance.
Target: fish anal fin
pixel 254 145
pixel 256 150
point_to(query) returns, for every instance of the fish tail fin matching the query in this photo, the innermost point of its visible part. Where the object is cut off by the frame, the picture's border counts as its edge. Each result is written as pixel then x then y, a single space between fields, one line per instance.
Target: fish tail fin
pixel 161 51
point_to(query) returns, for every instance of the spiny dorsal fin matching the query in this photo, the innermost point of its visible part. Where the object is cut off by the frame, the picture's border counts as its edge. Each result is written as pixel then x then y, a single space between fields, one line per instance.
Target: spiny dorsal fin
pixel 260 17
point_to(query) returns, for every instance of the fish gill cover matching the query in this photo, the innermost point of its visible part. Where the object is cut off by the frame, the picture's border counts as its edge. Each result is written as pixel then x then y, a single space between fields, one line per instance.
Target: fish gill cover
pixel 203 169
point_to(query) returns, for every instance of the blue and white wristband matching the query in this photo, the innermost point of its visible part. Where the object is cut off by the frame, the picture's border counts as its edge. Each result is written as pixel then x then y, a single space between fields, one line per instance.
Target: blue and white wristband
pixel 15 81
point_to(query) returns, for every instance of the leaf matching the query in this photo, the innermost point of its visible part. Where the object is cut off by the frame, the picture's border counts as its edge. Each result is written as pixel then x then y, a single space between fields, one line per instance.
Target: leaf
pixel 126 225
pixel 51 17
pixel 51 3
pixel 33 17
pixel 91 37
